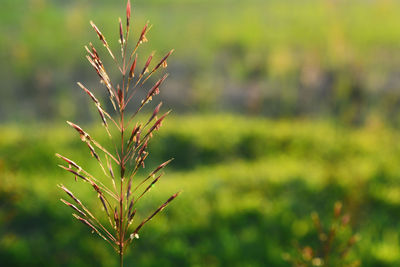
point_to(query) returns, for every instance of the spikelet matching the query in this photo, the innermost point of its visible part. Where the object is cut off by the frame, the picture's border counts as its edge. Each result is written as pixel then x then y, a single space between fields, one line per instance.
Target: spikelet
pixel 162 63
pixel 156 212
pixel 102 39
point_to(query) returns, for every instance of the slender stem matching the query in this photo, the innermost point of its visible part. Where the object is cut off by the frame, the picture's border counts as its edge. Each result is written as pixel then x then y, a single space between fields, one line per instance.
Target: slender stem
pixel 122 166
pixel 121 196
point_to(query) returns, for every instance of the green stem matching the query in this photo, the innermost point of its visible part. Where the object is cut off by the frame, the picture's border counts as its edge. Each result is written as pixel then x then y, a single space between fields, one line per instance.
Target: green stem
pixel 122 165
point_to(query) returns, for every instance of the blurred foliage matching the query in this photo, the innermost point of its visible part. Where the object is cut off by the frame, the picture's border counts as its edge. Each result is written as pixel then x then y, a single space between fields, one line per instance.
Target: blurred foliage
pixel 331 244
pixel 248 185
pixel 277 57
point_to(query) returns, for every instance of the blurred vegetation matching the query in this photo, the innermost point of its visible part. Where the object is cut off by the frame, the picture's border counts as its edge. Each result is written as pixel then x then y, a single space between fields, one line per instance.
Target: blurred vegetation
pixel 279 58
pixel 249 187
pixel 335 243
pixel 315 67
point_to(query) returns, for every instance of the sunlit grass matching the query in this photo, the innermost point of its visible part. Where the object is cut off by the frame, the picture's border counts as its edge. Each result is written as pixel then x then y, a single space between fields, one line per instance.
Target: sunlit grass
pixel 248 189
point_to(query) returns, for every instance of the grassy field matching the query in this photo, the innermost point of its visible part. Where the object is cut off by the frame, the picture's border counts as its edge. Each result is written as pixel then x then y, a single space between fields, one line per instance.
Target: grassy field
pixel 273 57
pixel 249 186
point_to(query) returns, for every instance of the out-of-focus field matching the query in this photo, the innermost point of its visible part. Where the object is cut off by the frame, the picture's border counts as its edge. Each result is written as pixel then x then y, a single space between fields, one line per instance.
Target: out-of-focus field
pixel 278 57
pixel 249 186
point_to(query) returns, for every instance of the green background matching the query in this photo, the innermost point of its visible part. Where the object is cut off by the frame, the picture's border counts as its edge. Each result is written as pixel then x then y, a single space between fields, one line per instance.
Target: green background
pixel 280 108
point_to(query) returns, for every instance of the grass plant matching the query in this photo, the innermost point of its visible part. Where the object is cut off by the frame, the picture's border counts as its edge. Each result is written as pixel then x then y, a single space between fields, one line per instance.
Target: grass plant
pixel 119 191
pixel 334 245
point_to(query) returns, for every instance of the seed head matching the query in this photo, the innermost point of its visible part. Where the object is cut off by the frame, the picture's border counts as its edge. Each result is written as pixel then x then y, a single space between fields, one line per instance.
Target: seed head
pixel 121 33
pixel 128 14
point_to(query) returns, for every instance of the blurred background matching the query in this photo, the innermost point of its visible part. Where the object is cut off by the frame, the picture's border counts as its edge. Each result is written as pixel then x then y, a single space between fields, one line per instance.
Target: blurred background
pixel 280 108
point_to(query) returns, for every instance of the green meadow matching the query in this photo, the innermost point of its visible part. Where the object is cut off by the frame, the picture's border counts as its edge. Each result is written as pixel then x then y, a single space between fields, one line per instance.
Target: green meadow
pixel 248 189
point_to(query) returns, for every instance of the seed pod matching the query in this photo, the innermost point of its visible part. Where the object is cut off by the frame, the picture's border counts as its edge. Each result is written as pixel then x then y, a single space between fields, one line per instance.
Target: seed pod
pixel 154 90
pixel 155 112
pixel 121 33
pixel 163 61
pixel 128 14
pixel 135 130
pixel 99 34
pixel 70 194
pixel 146 66
pixel 157 211
pixel 70 162
pixel 132 215
pixel 128 191
pixel 116 217
pixel 132 70
pixel 142 38
pixel 73 207
pixel 103 202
